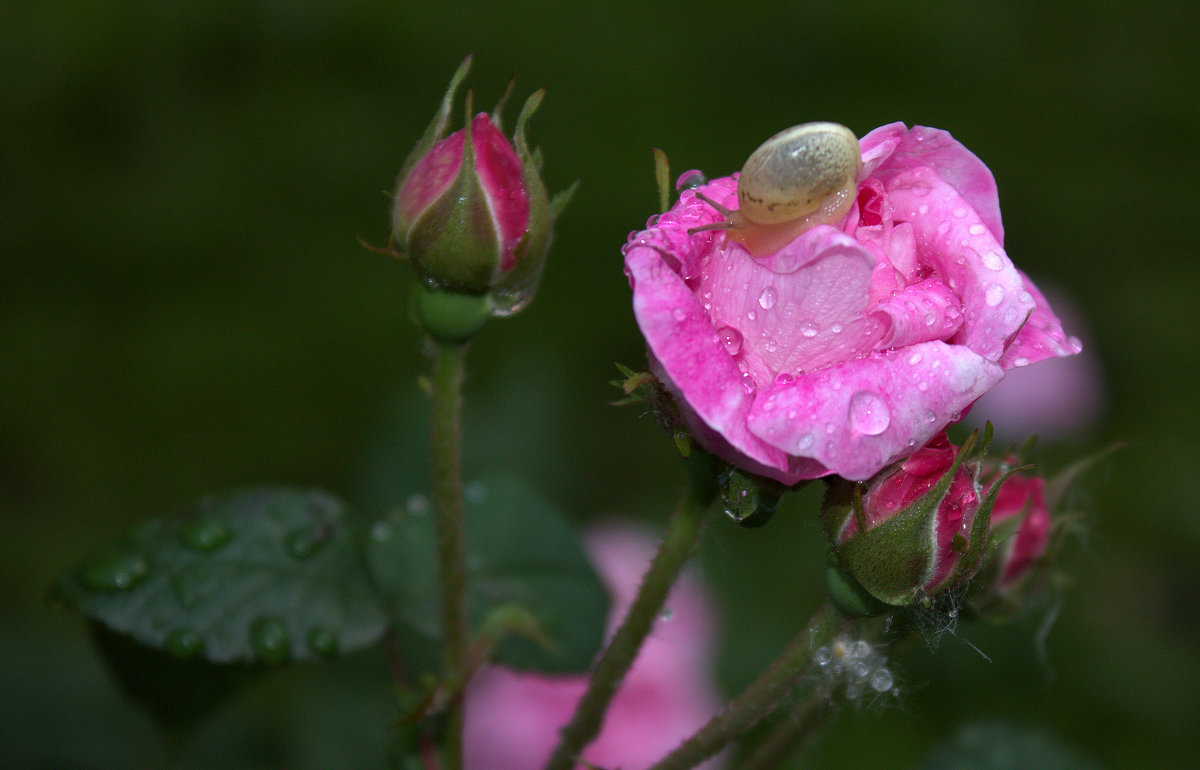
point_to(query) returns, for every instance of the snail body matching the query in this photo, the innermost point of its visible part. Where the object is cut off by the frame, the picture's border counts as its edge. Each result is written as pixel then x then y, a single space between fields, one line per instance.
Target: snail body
pixel 803 176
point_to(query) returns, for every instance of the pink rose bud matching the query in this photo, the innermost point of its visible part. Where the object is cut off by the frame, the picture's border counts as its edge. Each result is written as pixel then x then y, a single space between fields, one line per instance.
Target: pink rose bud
pixel 472 213
pixel 831 317
pixel 902 535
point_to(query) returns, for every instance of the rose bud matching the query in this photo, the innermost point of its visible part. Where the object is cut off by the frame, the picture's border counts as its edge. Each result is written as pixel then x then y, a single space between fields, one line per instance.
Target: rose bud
pixel 472 214
pixel 916 529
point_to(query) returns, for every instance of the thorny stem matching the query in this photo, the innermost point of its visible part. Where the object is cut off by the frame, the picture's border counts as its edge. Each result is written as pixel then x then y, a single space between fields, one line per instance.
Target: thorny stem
pixel 757 700
pixel 608 672
pixel 447 498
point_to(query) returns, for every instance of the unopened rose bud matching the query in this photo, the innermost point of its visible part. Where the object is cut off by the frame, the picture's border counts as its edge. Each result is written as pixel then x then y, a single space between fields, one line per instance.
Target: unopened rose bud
pixel 472 214
pixel 915 529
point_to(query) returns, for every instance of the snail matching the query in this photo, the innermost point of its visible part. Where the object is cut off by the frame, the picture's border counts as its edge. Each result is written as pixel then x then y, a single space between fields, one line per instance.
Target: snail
pixel 803 176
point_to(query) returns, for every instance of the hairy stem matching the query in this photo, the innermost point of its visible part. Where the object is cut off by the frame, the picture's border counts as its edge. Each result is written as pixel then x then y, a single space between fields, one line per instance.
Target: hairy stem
pixel 757 700
pixel 614 662
pixel 447 498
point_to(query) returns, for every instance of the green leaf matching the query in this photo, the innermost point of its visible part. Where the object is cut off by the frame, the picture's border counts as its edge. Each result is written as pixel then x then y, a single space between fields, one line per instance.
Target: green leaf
pixel 263 575
pixel 521 553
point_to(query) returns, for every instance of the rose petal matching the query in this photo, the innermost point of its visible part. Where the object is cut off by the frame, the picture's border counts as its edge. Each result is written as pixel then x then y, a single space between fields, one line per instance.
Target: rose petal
pixel 922 312
pixel 953 240
pixel 682 338
pixel 856 417
pixel 1041 337
pixel 800 309
pixel 499 172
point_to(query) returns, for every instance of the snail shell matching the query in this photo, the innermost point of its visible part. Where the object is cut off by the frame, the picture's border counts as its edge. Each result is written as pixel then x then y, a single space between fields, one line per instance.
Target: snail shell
pixel 801 177
pixel 793 173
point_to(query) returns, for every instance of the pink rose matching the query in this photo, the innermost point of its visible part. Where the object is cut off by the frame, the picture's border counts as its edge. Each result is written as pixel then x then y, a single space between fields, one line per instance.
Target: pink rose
pixel 513 719
pixel 850 346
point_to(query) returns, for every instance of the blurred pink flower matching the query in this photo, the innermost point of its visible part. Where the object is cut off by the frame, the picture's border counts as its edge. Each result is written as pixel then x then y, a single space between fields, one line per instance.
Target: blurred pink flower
pixel 851 346
pixel 513 719
pixel 1056 399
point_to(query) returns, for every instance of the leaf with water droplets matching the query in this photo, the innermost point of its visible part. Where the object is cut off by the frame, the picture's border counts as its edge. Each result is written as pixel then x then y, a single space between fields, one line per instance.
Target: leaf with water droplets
pixel 264 575
pixel 521 552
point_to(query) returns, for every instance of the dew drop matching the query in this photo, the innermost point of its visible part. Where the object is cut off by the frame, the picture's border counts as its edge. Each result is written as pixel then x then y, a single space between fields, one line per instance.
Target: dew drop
pixel 381 532
pixel 860 669
pixel 184 593
pixel 784 378
pixel 976 229
pixel 767 299
pixel 994 295
pixel 822 656
pixel 751 315
pixel 205 535
pixel 666 614
pixel 881 679
pixel 679 314
pixel 116 570
pixel 923 209
pixel 930 417
pixel 869 414
pixel 1020 361
pixel 269 640
pixel 731 339
pixel 748 383
pixel 417 505
pixel 183 643
pixel 1075 344
pixel 475 492
pixel 690 178
pixel 859 649
pixel 805 442
pixel 808 329
pixel 836 328
pixel 915 359
pixel 305 542
pixel 922 386
pixel 992 260
pixel 321 641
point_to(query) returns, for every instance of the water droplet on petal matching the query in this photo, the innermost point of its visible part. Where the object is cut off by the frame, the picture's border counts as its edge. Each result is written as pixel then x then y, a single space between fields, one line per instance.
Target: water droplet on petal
pixel 992 260
pixel 666 614
pixel 784 378
pixel 748 383
pixel 269 640
pixel 205 535
pixel 679 314
pixel 1075 344
pixel 751 315
pixel 184 643
pixel 868 413
pixel 804 443
pixel 321 641
pixel 767 299
pixel 836 328
pixel 116 570
pixel 690 178
pixel 994 295
pixel 915 359
pixel 731 339
pixel 808 329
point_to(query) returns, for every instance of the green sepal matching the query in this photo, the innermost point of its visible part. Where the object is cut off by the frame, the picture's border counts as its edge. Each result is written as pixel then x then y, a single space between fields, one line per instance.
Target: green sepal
pixel 436 131
pixel 981 537
pixel 848 595
pixel 662 178
pixel 893 560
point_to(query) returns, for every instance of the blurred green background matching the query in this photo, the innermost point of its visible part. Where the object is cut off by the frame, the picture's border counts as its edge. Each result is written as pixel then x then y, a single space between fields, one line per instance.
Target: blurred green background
pixel 184 307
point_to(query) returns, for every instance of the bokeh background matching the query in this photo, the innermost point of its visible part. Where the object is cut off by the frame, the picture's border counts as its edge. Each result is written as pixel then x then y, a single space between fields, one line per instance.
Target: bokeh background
pixel 184 307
